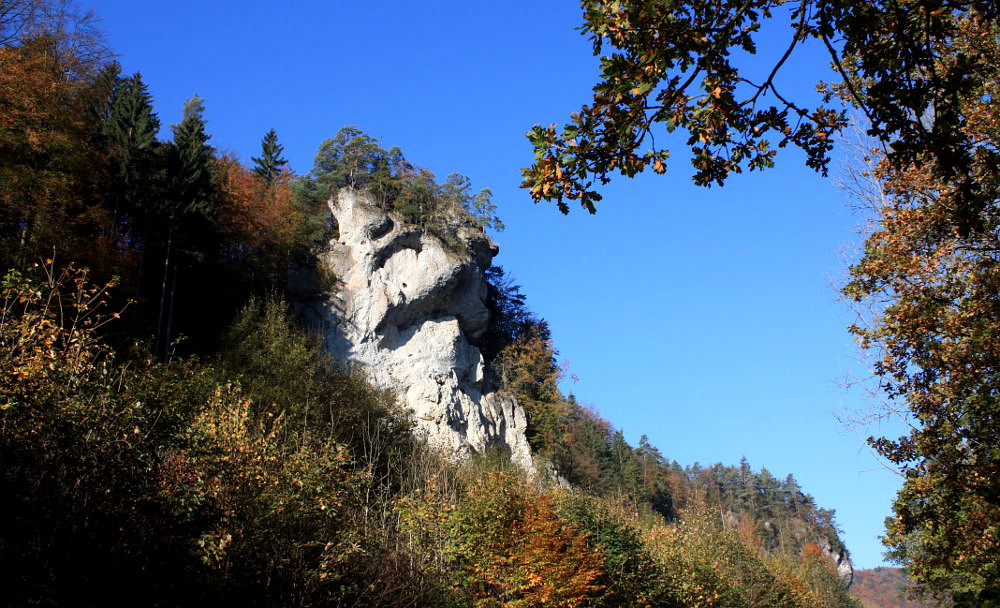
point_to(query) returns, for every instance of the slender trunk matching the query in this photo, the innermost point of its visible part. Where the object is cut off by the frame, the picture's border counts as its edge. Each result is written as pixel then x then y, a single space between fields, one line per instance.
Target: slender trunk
pixel 160 347
pixel 170 316
pixel 143 245
pixel 21 259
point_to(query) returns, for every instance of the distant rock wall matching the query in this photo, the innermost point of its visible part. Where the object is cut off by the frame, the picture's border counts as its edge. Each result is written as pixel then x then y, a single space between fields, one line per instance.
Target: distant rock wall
pixel 845 569
pixel 407 308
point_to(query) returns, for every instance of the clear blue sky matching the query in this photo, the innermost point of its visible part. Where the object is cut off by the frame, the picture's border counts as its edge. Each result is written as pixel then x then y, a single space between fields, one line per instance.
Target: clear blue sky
pixel 704 318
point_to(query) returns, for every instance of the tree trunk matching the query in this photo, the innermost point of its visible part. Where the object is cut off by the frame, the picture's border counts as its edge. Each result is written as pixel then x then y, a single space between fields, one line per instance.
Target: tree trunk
pixel 160 347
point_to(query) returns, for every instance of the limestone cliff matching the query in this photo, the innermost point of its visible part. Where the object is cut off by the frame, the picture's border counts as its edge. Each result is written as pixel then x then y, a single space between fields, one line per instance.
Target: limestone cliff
pixel 408 308
pixel 840 559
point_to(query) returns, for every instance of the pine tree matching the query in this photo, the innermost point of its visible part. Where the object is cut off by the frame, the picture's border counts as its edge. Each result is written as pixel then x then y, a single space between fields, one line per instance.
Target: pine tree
pixel 191 173
pixel 129 135
pixel 269 166
pixel 187 211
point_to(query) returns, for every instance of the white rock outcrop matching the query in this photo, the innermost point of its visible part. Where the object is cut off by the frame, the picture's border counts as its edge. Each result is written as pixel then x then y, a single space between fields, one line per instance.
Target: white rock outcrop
pixel 407 309
pixel 840 559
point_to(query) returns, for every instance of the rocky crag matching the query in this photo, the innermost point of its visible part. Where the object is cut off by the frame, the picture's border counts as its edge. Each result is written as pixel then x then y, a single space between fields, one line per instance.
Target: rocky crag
pixel 408 307
pixel 840 559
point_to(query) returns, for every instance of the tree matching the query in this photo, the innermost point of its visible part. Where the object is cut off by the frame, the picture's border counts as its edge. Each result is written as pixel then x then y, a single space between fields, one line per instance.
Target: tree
pixel 457 191
pixel 190 167
pixel 926 289
pixel 415 194
pixel 353 158
pixel 673 68
pixel 511 548
pixel 509 313
pixel 527 368
pixel 270 164
pixel 48 194
pixel 128 132
pixel 71 33
pixel 187 211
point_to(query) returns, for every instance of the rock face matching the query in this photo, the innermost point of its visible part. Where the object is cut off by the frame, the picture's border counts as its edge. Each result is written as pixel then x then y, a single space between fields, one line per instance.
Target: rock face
pixel 845 569
pixel 407 308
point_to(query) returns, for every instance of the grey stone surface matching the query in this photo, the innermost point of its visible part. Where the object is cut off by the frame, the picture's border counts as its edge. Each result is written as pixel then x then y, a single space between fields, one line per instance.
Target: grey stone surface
pixel 407 309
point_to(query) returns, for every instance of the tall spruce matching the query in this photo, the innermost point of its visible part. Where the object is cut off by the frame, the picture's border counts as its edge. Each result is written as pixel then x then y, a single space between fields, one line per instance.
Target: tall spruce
pixel 187 212
pixel 190 170
pixel 270 164
pixel 129 134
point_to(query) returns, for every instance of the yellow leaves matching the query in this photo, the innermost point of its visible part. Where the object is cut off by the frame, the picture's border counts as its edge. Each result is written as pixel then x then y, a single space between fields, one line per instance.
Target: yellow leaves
pixel 48 335
pixel 659 167
pixel 252 468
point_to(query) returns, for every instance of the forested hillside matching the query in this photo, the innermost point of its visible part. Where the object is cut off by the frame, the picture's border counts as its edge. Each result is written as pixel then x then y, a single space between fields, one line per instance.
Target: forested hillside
pixel 171 434
pixel 885 588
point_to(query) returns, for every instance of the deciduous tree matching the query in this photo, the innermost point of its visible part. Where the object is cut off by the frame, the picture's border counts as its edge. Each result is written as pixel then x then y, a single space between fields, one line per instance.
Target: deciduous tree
pixel 927 288
pixel 673 66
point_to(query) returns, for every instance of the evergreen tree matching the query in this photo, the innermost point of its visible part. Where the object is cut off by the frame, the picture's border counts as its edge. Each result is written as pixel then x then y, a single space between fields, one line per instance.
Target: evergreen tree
pixel 509 313
pixel 457 191
pixel 270 164
pixel 187 211
pixel 129 135
pixel 191 173
pixel 353 158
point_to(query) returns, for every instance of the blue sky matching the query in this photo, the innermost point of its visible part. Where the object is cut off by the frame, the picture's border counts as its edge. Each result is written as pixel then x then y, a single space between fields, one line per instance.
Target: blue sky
pixel 706 319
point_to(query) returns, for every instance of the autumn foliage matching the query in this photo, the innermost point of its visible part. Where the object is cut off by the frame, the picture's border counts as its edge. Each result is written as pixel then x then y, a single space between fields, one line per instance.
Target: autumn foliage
pixel 926 292
pixel 162 447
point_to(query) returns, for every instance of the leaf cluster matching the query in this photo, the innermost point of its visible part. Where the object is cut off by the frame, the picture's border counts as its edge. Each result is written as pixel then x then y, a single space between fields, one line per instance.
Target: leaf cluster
pixel 674 66
pixel 926 289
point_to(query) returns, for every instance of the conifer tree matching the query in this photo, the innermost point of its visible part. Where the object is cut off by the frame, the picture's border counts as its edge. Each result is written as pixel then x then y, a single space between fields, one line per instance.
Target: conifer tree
pixel 129 135
pixel 191 172
pixel 187 211
pixel 270 164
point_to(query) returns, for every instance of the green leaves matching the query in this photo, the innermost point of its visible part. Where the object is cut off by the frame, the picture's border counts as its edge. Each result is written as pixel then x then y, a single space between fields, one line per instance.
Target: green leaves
pixel 353 158
pixel 671 67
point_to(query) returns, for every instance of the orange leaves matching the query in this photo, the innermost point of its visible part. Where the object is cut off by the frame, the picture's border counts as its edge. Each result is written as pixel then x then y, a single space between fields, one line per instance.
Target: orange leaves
pixel 556 563
pixel 811 550
pixel 267 225
pixel 511 546
pixel 265 214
